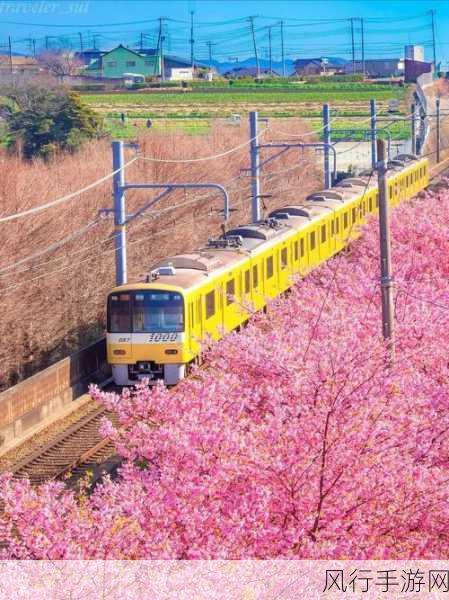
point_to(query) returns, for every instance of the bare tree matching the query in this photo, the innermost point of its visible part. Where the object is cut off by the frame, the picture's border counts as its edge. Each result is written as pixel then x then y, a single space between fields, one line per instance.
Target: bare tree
pixel 60 63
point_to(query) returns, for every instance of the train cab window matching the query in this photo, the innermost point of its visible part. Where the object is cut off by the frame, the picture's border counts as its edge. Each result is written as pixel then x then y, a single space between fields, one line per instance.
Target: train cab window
pixel 296 250
pixel 284 258
pixel 312 240
pixel 230 291
pixel 323 233
pixel 255 276
pixel 210 304
pixel 301 247
pixel 345 220
pixel 269 267
pixel 157 311
pixel 247 282
pixel 119 313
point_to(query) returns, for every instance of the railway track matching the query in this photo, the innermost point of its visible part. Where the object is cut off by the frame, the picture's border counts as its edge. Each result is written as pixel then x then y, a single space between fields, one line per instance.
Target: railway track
pixel 72 454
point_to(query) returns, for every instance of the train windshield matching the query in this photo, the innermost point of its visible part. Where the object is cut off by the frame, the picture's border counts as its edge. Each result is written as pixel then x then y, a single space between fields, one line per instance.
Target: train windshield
pixel 146 311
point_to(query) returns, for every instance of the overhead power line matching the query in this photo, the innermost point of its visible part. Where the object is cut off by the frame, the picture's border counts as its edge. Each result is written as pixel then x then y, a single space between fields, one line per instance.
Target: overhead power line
pixel 40 208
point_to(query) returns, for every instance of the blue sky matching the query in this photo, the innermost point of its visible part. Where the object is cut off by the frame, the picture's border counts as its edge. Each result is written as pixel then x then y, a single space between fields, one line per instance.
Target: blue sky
pixel 311 27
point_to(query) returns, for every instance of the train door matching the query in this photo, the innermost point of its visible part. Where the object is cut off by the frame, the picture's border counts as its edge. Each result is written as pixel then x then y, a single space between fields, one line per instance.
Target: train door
pixel 323 235
pixel 257 285
pixel 294 253
pixel 284 272
pixel 303 255
pixel 313 243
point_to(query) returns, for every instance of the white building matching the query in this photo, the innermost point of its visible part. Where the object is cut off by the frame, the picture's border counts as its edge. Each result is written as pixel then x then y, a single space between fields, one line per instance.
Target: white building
pixel 414 53
pixel 183 74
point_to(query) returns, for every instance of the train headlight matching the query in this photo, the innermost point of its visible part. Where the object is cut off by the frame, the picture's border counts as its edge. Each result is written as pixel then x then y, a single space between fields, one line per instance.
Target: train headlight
pixel 171 351
pixel 119 352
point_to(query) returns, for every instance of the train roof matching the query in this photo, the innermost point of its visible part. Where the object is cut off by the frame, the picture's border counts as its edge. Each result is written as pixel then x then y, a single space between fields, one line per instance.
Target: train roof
pixel 184 271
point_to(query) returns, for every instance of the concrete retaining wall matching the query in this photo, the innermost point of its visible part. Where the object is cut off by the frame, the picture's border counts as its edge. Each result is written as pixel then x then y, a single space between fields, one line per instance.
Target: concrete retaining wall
pixel 48 393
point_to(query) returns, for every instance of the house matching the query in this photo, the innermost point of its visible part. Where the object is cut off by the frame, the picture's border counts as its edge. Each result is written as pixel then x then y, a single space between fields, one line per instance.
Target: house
pixel 240 72
pixel 120 60
pixel 318 66
pixel 88 56
pixel 377 67
pixel 174 64
pixel 19 65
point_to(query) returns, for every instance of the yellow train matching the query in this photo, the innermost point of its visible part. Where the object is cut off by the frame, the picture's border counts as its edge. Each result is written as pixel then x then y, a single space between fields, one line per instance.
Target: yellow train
pixel 155 328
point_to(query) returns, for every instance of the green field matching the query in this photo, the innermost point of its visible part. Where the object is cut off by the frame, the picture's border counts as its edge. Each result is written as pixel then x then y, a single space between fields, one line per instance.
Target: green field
pixel 400 130
pixel 333 95
pixel 133 125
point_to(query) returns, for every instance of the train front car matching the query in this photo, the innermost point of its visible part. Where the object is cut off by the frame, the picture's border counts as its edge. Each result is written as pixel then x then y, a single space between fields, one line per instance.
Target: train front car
pixel 146 333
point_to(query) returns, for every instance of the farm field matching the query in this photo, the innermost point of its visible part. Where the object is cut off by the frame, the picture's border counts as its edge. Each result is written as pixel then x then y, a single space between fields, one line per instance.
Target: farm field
pixel 306 100
pixel 192 112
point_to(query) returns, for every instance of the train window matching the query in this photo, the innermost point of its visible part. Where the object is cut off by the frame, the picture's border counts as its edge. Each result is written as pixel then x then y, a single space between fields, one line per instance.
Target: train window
pixel 312 241
pixel 332 228
pixel 192 319
pixel 323 233
pixel 301 247
pixel 119 313
pixel 296 250
pixel 337 225
pixel 370 204
pixel 230 291
pixel 255 276
pixel 269 267
pixel 157 311
pixel 354 215
pixel 390 191
pixel 284 258
pixel 210 304
pixel 377 199
pixel 345 220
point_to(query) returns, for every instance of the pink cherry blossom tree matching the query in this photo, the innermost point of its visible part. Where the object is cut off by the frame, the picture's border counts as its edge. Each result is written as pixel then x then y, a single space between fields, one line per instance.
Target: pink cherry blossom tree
pixel 298 439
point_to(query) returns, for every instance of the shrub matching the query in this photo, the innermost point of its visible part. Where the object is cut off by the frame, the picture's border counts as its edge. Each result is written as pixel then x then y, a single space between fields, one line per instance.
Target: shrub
pixel 43 121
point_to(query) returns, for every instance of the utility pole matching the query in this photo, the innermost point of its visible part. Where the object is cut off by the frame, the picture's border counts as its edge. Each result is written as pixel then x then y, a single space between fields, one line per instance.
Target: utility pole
pixel 251 20
pixel 10 55
pixel 282 49
pixel 438 130
pixel 386 274
pixel 432 14
pixel 209 45
pixel 269 50
pixel 192 58
pixel 81 41
pixel 256 214
pixel 362 32
pixel 160 43
pixel 141 41
pixel 413 111
pixel 373 112
pixel 326 142
pixel 46 42
pixel 34 48
pixel 353 45
pixel 119 212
